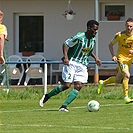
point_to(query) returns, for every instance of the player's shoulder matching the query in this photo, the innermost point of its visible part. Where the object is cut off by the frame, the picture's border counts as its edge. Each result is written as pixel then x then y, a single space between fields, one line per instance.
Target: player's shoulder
pixel 2 25
pixel 79 35
pixel 119 34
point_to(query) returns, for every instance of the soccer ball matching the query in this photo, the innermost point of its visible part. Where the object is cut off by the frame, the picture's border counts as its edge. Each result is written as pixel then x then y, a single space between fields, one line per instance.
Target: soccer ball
pixel 93 106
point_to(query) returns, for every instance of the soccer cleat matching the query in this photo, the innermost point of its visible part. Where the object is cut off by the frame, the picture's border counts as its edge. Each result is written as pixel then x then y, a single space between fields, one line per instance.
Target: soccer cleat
pixel 128 100
pixel 43 100
pixel 100 87
pixel 63 108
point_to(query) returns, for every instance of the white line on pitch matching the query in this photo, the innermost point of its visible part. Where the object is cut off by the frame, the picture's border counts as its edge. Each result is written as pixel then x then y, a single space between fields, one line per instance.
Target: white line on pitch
pixel 12 111
pixel 74 127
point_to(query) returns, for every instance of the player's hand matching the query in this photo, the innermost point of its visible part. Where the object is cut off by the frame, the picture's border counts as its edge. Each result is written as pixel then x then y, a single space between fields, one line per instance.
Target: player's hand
pixel 114 58
pixel 98 62
pixel 130 51
pixel 66 61
pixel 2 60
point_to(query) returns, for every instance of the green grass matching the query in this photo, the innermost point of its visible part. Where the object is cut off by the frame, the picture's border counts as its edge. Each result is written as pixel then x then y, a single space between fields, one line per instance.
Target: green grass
pixel 20 112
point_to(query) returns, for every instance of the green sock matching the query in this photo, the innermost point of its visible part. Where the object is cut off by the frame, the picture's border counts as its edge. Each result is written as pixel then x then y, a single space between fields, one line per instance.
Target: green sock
pixel 55 91
pixel 72 95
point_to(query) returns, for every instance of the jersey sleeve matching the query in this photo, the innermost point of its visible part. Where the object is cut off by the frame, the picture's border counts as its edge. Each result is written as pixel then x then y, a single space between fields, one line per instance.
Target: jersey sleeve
pixel 116 38
pixel 3 30
pixel 70 42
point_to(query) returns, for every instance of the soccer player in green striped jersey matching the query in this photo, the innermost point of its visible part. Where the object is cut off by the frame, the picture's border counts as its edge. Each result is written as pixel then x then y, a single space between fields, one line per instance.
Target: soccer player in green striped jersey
pixel 77 51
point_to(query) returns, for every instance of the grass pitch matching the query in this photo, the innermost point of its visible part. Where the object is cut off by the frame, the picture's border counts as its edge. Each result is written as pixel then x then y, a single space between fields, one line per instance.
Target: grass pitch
pixel 20 112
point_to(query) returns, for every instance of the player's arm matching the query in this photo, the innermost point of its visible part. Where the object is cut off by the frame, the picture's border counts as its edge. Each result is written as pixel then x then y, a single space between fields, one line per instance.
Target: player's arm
pixel 70 42
pixel 112 43
pixel 65 50
pixel 2 60
pixel 98 61
pixel 111 49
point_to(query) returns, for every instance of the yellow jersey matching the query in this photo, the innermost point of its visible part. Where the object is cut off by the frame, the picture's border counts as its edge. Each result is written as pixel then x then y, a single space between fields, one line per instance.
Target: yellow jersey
pixel 125 43
pixel 3 30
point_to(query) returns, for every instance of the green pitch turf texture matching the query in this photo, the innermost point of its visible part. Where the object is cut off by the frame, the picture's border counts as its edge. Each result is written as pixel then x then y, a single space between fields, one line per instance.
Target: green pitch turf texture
pixel 21 113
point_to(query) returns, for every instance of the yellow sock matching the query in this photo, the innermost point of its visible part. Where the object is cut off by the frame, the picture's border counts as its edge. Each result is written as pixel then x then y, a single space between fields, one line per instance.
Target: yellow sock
pixel 125 86
pixel 110 80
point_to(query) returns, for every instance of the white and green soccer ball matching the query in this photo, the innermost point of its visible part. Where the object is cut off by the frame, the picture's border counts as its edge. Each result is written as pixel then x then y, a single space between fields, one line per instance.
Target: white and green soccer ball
pixel 93 106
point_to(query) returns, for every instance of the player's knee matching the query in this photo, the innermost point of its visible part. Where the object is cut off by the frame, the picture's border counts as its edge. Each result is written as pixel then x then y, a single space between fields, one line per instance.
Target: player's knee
pixel 78 86
pixel 66 86
pixel 127 75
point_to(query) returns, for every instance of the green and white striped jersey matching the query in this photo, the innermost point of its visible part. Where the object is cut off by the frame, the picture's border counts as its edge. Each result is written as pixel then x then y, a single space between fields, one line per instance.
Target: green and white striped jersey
pixel 80 48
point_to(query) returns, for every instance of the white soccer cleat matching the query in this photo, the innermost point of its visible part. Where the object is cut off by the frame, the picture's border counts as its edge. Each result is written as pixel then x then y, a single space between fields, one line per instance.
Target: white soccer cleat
pixel 63 108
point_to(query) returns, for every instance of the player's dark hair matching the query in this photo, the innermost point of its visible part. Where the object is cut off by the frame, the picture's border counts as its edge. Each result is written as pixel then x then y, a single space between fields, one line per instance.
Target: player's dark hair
pixel 90 23
pixel 129 20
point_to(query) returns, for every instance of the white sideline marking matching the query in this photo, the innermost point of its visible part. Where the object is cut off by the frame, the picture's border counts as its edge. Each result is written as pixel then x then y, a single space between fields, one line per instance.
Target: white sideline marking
pixel 75 127
pixel 14 111
pixel 72 127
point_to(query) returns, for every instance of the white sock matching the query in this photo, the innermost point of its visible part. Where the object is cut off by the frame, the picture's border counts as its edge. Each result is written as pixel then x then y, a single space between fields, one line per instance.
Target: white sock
pixel 125 97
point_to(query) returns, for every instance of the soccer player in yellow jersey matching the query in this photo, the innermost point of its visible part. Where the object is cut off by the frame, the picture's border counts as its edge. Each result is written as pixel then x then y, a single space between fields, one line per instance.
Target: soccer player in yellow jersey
pixel 3 36
pixel 123 57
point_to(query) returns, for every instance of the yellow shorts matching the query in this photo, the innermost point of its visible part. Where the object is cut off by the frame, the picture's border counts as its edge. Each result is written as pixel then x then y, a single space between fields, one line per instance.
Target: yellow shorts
pixel 123 66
